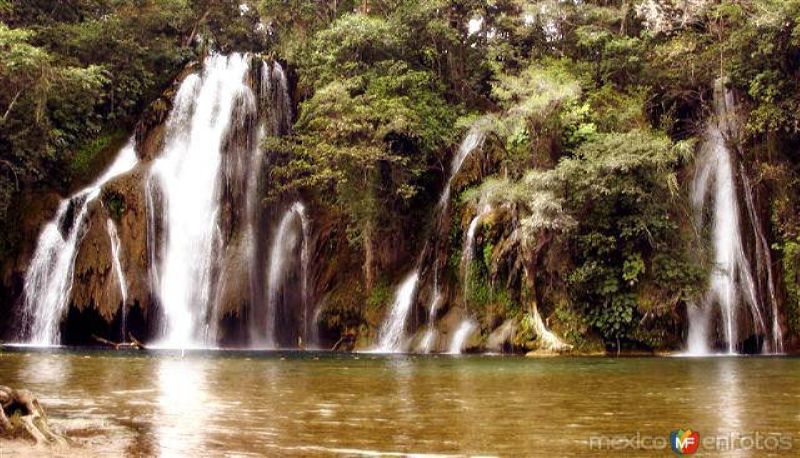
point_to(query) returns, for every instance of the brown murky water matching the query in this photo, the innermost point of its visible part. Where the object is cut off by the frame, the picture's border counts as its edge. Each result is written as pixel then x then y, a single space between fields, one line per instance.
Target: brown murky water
pixel 239 403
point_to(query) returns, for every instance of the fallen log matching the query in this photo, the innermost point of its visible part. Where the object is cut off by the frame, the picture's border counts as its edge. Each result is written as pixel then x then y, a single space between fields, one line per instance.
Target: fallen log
pixel 21 415
pixel 134 343
pixel 346 342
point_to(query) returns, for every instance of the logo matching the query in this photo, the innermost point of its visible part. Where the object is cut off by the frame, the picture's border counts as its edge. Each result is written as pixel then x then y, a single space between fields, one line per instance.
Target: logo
pixel 684 441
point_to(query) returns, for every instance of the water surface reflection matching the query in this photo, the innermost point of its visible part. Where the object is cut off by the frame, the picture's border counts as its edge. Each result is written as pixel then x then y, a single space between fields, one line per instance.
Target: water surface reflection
pixel 318 404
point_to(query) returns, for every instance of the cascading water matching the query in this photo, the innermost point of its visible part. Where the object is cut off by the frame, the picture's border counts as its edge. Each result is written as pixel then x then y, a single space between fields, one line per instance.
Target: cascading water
pixel 464 331
pixel 205 221
pixel 395 322
pixel 731 283
pixel 473 141
pixel 275 90
pixel 392 333
pixel 120 274
pixel 282 262
pixel 763 263
pixel 468 253
pixel 187 176
pixel 48 280
pixel 426 344
pixel 276 120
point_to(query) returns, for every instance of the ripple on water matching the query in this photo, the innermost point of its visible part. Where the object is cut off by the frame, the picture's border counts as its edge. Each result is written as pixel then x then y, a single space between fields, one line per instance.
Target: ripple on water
pixel 443 406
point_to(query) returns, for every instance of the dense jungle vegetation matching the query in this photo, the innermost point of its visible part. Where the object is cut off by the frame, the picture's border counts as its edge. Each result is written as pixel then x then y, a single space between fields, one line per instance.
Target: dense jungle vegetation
pixel 594 111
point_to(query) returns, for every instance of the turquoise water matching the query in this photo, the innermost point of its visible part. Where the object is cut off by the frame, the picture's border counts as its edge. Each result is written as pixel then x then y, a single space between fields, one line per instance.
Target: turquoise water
pixel 243 403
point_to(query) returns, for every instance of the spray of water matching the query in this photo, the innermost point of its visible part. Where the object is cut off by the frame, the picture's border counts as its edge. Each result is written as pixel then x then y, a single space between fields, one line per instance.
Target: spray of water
pixel 463 332
pixel 116 250
pixel 48 280
pixel 428 339
pixel 731 285
pixel 281 262
pixel 468 253
pixel 392 333
pixel 187 177
pixel 395 323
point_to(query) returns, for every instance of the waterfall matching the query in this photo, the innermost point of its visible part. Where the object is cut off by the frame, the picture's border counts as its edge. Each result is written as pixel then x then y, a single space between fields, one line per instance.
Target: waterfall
pixel 392 333
pixel 763 263
pixel 473 141
pixel 426 344
pixel 309 334
pixel 731 282
pixel 281 262
pixel 187 177
pixel 276 120
pixel 205 223
pixel 697 341
pixel 468 253
pixel 120 274
pixel 501 336
pixel 464 331
pixel 394 325
pixel 275 89
pixel 48 280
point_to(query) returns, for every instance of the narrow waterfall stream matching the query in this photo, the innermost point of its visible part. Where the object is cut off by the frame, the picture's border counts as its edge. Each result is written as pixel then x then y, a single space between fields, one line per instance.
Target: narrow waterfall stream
pixel 473 141
pixel 463 332
pixel 116 249
pixel 275 120
pixel 763 266
pixel 48 280
pixel 392 333
pixel 293 229
pixel 429 338
pixel 468 253
pixel 393 329
pixel 731 286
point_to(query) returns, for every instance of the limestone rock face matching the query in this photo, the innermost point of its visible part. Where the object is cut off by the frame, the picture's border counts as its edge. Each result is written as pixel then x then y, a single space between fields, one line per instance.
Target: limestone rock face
pixel 234 288
pixel 95 282
pixel 132 229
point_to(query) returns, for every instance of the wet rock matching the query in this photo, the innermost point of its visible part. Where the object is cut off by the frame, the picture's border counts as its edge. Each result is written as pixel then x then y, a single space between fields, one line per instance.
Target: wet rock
pixel 95 283
pixel 234 287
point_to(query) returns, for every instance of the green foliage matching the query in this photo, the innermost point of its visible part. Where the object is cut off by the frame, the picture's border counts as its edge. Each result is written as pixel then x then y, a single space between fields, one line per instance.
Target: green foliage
pixel 114 203
pixel 633 268
pixel 790 260
pixel 68 73
pixel 615 202
pixel 375 120
pixel 572 326
pixel 613 319
pixel 487 253
pixel 100 148
pixel 620 183
pixel 591 110
pixel 342 308
pixel 380 297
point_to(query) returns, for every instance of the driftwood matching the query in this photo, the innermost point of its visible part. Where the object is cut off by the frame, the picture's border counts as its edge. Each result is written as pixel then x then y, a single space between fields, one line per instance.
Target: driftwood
pixel 21 415
pixel 346 342
pixel 134 343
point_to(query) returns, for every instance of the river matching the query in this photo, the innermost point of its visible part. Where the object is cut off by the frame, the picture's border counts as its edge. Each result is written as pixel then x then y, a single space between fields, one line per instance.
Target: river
pixel 320 404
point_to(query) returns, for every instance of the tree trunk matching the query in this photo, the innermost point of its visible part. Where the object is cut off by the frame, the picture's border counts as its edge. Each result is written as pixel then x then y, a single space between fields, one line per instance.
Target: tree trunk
pixel 28 417
pixel 369 257
pixel 623 27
